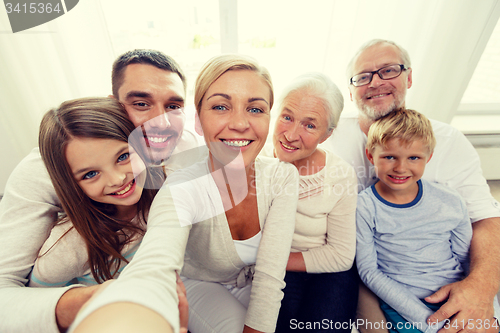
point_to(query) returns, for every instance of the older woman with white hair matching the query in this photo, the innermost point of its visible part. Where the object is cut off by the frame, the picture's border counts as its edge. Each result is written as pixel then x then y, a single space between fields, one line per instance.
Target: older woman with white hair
pixel 321 282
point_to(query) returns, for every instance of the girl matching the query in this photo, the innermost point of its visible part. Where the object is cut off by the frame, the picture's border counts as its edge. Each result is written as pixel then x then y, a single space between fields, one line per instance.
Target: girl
pixel 100 183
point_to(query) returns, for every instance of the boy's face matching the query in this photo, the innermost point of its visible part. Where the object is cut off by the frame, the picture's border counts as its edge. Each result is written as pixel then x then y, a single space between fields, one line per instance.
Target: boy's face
pixel 399 166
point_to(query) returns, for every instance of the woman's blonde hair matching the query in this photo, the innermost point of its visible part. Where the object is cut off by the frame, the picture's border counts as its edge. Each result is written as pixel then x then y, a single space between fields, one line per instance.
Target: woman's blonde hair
pixel 403 124
pixel 219 65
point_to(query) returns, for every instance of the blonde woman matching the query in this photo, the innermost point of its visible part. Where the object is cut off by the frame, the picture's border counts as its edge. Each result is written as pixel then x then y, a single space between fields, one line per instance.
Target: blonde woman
pixel 227 221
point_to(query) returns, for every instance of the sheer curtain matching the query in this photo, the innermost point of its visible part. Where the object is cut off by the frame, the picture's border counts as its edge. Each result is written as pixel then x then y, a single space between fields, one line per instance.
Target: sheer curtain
pixel 71 56
pixel 66 58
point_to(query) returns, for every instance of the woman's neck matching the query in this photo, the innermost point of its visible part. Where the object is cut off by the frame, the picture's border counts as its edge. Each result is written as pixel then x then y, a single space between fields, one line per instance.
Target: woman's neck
pixel 233 181
pixel 311 164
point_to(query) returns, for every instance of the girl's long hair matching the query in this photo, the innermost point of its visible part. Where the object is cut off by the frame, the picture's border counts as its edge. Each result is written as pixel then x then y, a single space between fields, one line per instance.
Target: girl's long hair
pixel 104 235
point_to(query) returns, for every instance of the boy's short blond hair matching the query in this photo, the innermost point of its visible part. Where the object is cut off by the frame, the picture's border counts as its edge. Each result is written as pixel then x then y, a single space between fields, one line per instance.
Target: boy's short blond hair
pixel 404 124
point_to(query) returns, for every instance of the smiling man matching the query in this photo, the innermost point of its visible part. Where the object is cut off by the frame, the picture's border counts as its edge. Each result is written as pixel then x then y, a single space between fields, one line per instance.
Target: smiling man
pixel 379 76
pixel 152 88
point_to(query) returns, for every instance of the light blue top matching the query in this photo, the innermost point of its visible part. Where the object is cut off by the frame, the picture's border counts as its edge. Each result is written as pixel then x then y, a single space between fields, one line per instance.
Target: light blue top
pixel 407 252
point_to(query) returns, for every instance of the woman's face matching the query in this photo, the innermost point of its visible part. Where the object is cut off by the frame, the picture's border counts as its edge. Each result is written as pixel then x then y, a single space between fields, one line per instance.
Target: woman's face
pixel 234 116
pixel 300 127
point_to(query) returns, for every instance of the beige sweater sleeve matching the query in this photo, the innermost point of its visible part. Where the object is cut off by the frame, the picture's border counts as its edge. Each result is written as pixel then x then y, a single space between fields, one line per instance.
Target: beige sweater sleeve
pixel 339 197
pixel 279 193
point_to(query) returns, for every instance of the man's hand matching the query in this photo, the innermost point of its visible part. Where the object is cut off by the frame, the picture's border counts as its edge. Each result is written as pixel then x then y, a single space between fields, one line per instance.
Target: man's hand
pixel 70 303
pixel 468 307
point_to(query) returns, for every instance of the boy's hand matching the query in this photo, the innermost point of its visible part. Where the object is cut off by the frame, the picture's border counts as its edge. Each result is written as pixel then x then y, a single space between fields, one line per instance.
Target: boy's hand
pixel 468 308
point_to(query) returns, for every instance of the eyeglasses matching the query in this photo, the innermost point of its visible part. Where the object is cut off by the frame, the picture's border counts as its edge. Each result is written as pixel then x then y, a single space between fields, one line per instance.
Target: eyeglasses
pixel 385 73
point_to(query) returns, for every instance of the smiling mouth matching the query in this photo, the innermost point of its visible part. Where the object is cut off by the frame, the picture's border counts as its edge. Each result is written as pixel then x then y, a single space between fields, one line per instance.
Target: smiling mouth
pixel 288 147
pixel 237 143
pixel 125 190
pixel 379 95
pixel 157 139
pixel 399 178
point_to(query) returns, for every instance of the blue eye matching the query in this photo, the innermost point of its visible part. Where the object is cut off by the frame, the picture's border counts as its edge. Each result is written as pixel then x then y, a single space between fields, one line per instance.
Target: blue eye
pixel 389 157
pixel 90 175
pixel 287 118
pixel 414 158
pixel 255 110
pixel 360 78
pixel 219 107
pixel 123 157
pixel 310 126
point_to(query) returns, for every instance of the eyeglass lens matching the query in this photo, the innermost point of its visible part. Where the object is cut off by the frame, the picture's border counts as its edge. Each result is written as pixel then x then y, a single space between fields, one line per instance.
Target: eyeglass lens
pixel 385 73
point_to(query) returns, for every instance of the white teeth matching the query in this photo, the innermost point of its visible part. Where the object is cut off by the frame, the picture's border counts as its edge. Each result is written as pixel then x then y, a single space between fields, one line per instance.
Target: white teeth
pixel 157 139
pixel 399 177
pixel 237 143
pixel 125 190
pixel 288 147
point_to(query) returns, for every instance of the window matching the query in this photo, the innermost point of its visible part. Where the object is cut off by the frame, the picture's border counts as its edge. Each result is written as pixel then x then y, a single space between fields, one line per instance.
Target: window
pixel 479 111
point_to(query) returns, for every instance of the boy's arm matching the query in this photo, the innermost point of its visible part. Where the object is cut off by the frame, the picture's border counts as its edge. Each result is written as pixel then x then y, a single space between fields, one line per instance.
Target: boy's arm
pixel 390 291
pixel 461 237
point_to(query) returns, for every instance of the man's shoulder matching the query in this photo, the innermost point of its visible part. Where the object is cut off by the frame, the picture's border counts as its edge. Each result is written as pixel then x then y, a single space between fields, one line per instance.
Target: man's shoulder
pixel 31 167
pixel 444 130
pixel 29 184
pixel 348 121
pixel 334 160
pixel 347 138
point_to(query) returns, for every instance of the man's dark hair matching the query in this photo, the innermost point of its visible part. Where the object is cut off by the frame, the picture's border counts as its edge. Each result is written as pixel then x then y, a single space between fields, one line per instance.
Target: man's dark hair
pixel 142 56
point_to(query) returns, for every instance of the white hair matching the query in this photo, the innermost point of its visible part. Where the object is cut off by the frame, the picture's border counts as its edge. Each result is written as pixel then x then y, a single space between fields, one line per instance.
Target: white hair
pixel 322 87
pixel 405 57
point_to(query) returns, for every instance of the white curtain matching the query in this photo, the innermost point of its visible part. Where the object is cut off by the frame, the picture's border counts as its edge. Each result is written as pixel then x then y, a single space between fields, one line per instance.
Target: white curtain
pixel 71 56
pixel 67 58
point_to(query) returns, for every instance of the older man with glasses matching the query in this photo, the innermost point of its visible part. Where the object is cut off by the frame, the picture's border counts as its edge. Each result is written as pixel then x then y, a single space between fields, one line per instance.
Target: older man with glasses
pixel 379 76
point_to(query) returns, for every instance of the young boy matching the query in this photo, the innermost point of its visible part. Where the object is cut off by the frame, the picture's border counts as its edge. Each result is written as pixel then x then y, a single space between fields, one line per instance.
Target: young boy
pixel 413 236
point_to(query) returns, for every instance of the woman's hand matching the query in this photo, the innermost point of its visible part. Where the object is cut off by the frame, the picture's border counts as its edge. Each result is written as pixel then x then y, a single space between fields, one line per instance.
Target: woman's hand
pixel 183 305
